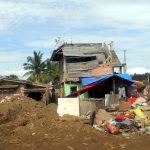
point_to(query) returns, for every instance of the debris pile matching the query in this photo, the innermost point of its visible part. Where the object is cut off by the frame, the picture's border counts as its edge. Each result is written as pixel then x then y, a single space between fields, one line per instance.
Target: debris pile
pixel 28 124
pixel 135 120
pixel 11 98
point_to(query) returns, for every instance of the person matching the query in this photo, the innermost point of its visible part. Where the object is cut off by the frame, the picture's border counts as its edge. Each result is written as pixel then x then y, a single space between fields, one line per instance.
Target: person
pixel 122 92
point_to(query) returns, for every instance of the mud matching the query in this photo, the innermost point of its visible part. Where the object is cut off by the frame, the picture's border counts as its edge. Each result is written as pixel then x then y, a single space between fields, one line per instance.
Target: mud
pixel 29 125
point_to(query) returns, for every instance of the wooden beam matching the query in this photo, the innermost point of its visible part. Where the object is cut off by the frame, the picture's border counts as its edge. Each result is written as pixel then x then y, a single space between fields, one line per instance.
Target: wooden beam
pixel 34 90
pixel 8 86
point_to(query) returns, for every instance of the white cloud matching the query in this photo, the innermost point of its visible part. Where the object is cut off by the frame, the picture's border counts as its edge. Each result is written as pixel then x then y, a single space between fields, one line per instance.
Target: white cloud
pixel 11 56
pixel 13 13
pixel 71 13
pixel 121 14
pixel 112 20
pixel 40 44
pixel 137 71
pixel 19 73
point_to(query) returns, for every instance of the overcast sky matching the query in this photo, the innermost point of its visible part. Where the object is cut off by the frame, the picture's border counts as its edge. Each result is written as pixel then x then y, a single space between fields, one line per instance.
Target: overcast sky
pixel 28 25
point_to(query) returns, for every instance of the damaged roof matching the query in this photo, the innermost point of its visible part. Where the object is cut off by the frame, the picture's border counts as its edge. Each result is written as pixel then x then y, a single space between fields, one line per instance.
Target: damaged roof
pixel 85 50
pixel 81 49
pixel 23 82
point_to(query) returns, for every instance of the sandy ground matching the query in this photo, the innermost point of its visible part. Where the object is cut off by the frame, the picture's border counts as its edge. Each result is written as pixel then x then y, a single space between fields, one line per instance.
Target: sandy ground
pixel 30 125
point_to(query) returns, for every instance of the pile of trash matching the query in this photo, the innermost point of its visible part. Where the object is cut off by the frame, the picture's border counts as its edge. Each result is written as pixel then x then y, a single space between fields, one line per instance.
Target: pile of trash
pixel 135 120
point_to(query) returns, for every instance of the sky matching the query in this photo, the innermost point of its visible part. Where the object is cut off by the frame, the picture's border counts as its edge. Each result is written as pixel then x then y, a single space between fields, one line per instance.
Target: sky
pixel 27 26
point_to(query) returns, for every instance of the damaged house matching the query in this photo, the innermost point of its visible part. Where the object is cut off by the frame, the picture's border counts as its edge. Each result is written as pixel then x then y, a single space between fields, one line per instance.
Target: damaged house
pixel 84 60
pixel 36 91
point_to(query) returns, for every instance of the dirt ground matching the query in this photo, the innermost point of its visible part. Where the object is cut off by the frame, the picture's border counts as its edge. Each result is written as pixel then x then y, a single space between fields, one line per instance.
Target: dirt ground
pixel 29 125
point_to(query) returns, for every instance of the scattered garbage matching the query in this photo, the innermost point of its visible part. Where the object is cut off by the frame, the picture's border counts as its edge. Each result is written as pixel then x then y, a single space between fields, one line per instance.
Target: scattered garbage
pixel 112 128
pixel 121 117
pixel 135 120
pixel 139 101
pixel 138 112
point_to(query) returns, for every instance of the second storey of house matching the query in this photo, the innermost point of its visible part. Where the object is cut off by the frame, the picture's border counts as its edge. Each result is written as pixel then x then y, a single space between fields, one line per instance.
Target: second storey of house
pixel 85 60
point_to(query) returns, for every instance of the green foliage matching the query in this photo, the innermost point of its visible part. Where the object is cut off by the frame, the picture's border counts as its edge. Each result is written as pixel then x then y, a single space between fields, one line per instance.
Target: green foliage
pixel 11 77
pixel 41 71
pixel 35 66
pixel 140 77
pixel 52 69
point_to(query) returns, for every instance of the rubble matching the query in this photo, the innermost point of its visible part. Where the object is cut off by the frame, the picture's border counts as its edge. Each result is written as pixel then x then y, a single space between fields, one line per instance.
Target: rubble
pixel 11 98
pixel 135 120
pixel 28 124
pixel 101 116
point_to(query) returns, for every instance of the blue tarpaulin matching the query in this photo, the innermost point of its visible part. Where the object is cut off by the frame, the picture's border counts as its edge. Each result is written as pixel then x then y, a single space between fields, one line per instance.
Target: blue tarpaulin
pixel 90 83
pixel 87 81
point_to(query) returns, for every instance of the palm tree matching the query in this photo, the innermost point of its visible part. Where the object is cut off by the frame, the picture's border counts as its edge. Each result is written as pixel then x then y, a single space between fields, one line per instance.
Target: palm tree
pixel 52 69
pixel 35 66
pixel 51 73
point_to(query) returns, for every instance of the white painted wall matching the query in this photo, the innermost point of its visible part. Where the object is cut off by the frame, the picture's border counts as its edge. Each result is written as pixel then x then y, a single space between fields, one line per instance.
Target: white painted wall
pixel 68 106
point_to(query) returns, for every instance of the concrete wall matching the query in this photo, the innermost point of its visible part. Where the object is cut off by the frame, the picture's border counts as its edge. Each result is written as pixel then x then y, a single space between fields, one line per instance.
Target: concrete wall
pixel 72 106
pixel 68 106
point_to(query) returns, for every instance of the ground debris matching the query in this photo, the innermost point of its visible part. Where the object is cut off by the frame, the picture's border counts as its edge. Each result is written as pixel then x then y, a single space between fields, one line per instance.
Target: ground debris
pixel 28 124
pixel 69 147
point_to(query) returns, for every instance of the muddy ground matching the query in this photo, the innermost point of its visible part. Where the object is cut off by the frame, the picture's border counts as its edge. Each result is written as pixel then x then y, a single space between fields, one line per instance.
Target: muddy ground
pixel 29 125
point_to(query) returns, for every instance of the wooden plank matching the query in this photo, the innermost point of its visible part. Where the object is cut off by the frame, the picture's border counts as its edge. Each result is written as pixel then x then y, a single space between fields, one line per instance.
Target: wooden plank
pixel 101 70
pixel 71 79
pixel 82 65
pixel 80 74
pixel 34 90
pixel 8 86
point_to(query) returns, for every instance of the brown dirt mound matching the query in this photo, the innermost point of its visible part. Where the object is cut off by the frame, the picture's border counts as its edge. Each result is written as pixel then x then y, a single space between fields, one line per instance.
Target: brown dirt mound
pixel 26 124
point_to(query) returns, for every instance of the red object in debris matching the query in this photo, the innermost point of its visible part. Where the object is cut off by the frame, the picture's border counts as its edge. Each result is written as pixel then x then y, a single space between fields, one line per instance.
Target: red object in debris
pixel 132 100
pixel 111 128
pixel 121 117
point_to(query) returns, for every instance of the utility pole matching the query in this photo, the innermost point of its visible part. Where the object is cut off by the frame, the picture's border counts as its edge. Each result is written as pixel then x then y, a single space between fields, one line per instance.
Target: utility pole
pixel 147 67
pixel 147 73
pixel 148 81
pixel 124 64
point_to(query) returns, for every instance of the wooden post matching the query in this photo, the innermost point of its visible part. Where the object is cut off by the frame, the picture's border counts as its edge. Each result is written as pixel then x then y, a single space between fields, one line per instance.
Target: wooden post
pixel 79 102
pixel 113 90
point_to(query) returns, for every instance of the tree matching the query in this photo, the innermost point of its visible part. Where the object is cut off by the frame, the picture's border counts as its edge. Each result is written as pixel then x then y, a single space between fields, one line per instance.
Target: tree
pixel 51 73
pixel 52 69
pixel 11 77
pixel 35 66
pixel 140 77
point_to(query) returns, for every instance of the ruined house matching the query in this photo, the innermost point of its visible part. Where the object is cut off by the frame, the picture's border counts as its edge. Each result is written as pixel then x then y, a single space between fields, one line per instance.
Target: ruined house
pixel 84 60
pixel 23 88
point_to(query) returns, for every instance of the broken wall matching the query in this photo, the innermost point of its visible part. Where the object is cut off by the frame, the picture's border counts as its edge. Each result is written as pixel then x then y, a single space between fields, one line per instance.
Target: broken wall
pixel 90 106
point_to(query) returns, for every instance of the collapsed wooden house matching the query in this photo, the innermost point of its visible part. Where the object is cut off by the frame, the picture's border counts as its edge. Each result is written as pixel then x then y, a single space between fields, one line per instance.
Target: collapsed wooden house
pixel 24 88
pixel 84 60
